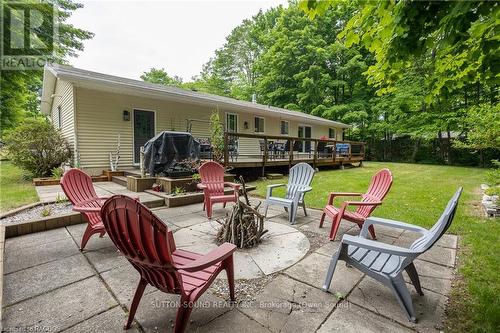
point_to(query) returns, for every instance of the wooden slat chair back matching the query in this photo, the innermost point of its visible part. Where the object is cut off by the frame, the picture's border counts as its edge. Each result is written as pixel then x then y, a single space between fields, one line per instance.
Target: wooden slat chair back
pixel 386 263
pixel 149 246
pixel 379 186
pixel 212 183
pixel 78 188
pixel 299 183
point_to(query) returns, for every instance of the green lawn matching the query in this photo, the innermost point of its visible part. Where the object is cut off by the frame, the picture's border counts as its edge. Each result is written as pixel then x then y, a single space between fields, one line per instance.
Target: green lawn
pixel 14 190
pixel 418 195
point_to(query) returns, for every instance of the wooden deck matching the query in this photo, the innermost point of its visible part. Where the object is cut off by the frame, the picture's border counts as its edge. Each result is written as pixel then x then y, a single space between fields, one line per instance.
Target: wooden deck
pixel 292 150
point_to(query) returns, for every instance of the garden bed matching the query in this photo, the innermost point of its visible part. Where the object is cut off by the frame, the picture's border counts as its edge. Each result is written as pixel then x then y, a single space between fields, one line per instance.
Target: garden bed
pixel 55 181
pixel 21 222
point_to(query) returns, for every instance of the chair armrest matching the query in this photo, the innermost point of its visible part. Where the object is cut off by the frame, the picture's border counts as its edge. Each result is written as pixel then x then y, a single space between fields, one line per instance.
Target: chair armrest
pixel 361 203
pixel 332 195
pixel 275 185
pixel 376 246
pixel 215 256
pixel 233 185
pixel 305 189
pixel 392 223
pixel 271 187
pixel 85 207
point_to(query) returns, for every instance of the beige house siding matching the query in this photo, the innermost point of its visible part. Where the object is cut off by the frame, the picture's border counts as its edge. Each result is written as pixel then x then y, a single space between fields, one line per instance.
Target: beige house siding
pixel 99 120
pixel 63 100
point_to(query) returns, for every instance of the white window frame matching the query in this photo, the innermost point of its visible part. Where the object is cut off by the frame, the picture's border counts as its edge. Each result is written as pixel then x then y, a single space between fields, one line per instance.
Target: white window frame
pixel 263 124
pixel 226 122
pixel 288 127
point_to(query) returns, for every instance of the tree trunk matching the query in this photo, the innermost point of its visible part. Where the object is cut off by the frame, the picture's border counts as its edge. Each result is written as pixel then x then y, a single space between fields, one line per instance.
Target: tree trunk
pixel 416 146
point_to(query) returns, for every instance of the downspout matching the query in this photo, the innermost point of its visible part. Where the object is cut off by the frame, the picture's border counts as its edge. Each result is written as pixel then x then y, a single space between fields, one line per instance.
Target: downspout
pixel 76 158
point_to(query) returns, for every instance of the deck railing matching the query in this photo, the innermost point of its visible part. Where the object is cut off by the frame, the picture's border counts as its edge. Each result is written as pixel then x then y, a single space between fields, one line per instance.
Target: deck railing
pixel 266 150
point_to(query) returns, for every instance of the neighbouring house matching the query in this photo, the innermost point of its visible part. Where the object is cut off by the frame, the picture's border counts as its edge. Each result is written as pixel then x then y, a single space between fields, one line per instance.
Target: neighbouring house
pixel 92 109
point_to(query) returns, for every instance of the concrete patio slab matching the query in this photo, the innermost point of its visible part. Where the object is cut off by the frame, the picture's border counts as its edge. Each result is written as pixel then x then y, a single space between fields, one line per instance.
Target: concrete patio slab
pixel 286 305
pixel 157 311
pixel 36 239
pixel 348 317
pixel 106 258
pixel 37 280
pixel 312 270
pixel 283 247
pixel 23 258
pixel 61 308
pixel 429 308
pixel 109 321
pixel 123 282
pixel 95 242
pixel 433 277
pixel 231 321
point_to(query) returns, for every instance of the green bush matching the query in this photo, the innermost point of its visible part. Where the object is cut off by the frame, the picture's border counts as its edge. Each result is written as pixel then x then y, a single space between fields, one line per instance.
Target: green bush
pixel 493 175
pixel 493 191
pixel 36 146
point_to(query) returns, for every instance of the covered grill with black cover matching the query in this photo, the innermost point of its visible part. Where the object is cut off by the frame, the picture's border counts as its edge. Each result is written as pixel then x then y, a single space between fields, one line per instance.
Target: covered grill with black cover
pixel 164 152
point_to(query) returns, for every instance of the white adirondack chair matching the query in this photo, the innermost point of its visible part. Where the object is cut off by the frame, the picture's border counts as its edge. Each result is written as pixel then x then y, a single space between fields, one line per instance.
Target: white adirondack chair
pixel 386 263
pixel 299 181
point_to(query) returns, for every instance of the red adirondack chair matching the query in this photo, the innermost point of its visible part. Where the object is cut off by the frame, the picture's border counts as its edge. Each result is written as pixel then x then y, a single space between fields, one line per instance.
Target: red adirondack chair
pixel 78 187
pixel 379 186
pixel 212 183
pixel 150 247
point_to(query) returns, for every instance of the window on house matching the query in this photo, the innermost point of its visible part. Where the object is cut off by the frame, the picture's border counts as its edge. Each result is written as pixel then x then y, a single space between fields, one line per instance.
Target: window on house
pixel 259 124
pixel 331 133
pixel 231 122
pixel 59 117
pixel 284 127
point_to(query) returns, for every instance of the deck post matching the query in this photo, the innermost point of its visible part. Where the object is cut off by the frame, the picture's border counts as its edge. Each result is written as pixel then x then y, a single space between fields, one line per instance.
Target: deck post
pixel 315 153
pixel 264 157
pixel 226 149
pixel 334 151
pixel 290 153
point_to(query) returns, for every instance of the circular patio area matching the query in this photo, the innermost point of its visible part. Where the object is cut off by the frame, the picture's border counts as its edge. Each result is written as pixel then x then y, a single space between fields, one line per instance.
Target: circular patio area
pixel 281 247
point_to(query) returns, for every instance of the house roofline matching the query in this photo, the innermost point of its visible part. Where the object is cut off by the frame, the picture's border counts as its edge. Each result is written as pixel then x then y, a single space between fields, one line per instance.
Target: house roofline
pixel 108 82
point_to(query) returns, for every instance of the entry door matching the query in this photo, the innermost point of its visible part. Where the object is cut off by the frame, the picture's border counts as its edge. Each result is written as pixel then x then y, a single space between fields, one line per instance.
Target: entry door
pixel 305 132
pixel 144 129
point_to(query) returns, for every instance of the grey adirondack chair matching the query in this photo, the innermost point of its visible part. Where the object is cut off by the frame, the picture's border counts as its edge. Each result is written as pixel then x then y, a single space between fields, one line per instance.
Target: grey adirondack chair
pixel 386 263
pixel 299 181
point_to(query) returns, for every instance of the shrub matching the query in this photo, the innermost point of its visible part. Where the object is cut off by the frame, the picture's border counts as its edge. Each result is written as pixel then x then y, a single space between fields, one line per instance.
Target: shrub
pixel 36 146
pixel 493 175
pixel 57 172
pixel 216 137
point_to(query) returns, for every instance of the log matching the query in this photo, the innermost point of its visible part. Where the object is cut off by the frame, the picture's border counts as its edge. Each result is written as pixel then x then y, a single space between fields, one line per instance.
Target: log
pixel 244 227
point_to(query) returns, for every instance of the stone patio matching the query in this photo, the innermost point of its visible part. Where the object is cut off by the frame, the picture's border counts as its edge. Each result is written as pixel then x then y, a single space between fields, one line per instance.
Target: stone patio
pixel 50 285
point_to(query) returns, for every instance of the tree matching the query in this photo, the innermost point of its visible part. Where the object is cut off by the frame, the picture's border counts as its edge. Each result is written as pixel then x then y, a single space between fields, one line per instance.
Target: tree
pixel 19 89
pixel 160 76
pixel 233 71
pixel 458 37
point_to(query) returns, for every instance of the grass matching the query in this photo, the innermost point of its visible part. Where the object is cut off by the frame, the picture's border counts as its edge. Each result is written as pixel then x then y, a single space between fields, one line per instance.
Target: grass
pixel 418 195
pixel 15 191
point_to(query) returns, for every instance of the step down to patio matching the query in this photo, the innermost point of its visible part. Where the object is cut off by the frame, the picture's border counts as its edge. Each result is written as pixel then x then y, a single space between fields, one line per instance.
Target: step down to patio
pixel 120 180
pixel 274 175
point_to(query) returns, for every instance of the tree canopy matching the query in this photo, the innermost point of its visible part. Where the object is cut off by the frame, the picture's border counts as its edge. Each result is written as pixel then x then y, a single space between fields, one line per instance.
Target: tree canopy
pixel 19 93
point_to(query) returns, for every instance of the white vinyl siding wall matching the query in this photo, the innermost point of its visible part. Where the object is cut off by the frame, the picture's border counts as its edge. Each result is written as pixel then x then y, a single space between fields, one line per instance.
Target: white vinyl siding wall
pixel 63 98
pixel 99 119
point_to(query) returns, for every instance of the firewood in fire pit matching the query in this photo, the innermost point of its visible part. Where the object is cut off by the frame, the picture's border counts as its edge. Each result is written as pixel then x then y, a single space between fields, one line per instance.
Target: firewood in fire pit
pixel 244 227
